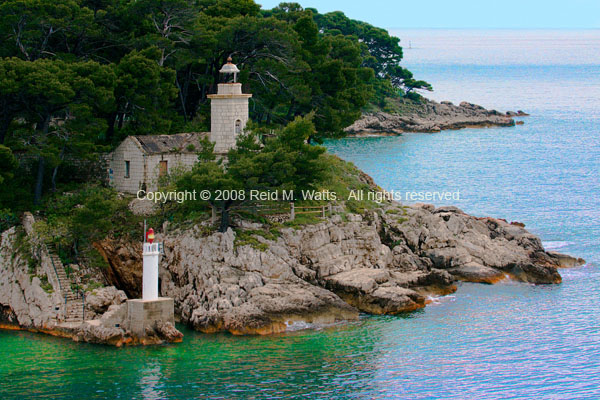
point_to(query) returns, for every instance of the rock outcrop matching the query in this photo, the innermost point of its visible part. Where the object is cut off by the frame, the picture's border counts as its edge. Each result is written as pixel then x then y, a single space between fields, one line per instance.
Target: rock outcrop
pixel 387 261
pixel 24 302
pixel 98 301
pixel 431 116
pixel 30 298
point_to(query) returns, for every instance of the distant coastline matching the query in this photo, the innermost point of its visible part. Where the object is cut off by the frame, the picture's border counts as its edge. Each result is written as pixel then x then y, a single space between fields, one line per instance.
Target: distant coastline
pixel 431 116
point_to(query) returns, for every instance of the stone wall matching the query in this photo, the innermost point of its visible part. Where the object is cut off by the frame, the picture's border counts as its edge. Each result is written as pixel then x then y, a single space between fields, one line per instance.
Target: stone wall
pixel 142 168
pixel 227 106
pixel 128 150
pixel 174 161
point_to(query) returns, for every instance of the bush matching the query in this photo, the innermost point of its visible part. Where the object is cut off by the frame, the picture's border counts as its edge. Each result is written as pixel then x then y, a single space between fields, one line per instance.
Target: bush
pixel 8 219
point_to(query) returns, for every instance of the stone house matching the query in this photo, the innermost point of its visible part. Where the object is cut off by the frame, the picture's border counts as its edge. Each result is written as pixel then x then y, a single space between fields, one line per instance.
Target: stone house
pixel 139 161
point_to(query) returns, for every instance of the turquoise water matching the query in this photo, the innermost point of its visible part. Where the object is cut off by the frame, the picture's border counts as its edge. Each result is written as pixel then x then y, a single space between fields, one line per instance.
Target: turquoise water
pixel 504 341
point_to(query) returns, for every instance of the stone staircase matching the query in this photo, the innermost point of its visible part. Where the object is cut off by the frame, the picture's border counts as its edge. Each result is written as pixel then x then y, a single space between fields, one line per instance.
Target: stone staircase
pixel 73 302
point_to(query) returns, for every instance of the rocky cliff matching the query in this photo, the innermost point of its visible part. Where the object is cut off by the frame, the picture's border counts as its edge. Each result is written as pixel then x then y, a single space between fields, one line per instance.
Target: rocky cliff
pixel 430 116
pixel 31 298
pixel 387 261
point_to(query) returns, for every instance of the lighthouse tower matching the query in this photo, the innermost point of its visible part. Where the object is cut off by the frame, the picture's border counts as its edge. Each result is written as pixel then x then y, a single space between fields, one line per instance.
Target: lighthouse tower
pixel 150 255
pixel 144 314
pixel 228 110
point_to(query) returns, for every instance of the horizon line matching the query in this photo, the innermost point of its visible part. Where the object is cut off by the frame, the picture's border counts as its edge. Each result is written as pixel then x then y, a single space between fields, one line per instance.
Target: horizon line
pixel 496 28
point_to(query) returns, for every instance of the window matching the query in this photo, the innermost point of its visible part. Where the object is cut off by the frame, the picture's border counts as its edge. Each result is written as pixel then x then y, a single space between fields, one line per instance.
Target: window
pixel 126 169
pixel 162 168
pixel 238 126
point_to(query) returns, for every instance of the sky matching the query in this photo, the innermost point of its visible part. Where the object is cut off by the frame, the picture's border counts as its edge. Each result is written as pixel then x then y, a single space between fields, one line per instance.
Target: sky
pixel 480 14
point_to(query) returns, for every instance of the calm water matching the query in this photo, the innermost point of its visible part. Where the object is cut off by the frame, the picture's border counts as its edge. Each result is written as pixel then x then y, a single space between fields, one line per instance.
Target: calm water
pixel 503 341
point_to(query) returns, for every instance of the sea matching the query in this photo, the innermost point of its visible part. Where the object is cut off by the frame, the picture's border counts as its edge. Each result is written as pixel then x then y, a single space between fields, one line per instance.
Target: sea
pixel 505 341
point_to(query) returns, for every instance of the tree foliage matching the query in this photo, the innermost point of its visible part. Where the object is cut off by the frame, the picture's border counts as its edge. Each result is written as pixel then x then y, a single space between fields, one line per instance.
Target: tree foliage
pixel 77 76
pixel 285 162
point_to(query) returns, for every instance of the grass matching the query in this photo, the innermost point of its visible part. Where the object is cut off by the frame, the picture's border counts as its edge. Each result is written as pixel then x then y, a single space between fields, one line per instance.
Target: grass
pixel 47 286
pixel 93 285
pixel 248 238
pixel 302 220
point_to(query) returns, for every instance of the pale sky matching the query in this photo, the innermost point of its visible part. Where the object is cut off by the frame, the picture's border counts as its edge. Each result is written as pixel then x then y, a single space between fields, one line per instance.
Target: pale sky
pixel 572 14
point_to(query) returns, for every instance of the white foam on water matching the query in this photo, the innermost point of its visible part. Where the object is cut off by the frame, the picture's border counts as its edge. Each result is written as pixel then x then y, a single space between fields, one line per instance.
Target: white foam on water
pixel 435 299
pixel 554 245
pixel 292 326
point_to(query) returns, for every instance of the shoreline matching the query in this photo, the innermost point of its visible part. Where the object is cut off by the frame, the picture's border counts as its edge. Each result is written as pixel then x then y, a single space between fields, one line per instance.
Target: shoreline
pixel 395 269
pixel 429 116
pixel 388 261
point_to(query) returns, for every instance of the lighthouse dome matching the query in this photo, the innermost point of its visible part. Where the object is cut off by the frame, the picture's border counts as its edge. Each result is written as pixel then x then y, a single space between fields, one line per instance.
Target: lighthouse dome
pixel 229 68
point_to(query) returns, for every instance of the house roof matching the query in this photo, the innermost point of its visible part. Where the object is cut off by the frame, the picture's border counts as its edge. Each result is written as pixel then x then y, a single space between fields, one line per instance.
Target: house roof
pixel 178 143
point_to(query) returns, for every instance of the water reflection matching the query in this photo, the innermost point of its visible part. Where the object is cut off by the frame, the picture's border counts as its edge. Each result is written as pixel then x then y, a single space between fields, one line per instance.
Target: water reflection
pixel 149 382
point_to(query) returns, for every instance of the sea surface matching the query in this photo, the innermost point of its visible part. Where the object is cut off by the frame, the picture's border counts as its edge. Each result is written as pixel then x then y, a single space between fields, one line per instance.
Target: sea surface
pixel 509 340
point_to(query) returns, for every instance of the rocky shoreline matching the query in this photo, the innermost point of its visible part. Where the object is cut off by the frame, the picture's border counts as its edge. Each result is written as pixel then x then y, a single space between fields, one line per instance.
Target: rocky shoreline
pixel 430 116
pixel 389 260
pixel 31 299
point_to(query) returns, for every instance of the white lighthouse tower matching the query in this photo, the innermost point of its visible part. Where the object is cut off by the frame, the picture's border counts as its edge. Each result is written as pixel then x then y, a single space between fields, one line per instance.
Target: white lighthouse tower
pixel 151 253
pixel 143 314
pixel 229 110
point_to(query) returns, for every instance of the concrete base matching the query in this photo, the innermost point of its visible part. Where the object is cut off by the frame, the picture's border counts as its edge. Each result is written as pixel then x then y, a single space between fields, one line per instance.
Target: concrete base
pixel 142 314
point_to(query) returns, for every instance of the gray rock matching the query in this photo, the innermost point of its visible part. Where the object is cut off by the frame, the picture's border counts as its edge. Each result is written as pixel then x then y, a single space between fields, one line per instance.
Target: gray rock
pixel 376 263
pixel 566 261
pixel 474 272
pixel 99 300
pixel 429 116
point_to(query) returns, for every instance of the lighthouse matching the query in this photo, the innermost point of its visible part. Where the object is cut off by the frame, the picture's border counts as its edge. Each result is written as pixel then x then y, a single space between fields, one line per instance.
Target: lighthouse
pixel 228 109
pixel 150 255
pixel 145 313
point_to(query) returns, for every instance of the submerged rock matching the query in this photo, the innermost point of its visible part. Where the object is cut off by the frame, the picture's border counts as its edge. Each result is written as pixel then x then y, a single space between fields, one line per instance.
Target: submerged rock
pixel 566 261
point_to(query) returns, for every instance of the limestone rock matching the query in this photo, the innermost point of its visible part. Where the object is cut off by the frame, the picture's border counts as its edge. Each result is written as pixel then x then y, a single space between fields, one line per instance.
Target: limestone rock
pixel 124 265
pixel 322 273
pixel 470 248
pixel 474 272
pixel 430 116
pixel 93 332
pixel 332 270
pixel 167 332
pixel 21 293
pixel 99 300
pixel 567 261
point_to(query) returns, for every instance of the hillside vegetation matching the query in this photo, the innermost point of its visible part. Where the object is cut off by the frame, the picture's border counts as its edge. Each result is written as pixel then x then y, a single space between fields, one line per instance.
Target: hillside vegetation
pixel 77 76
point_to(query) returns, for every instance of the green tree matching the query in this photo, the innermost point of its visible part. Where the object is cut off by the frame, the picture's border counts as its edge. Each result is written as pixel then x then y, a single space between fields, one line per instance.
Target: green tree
pixel 143 94
pixel 8 164
pixel 381 52
pixel 209 174
pixel 285 162
pixel 405 79
pixel 57 102
pixel 45 28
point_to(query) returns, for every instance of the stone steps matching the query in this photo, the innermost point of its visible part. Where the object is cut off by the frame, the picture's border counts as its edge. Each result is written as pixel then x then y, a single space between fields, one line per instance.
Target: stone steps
pixel 74 304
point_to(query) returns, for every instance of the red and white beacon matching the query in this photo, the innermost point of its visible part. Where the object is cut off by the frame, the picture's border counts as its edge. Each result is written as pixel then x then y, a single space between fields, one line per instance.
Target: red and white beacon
pixel 150 255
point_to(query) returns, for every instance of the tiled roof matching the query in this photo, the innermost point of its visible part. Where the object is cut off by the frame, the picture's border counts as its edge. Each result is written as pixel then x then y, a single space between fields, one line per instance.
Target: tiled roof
pixel 178 143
